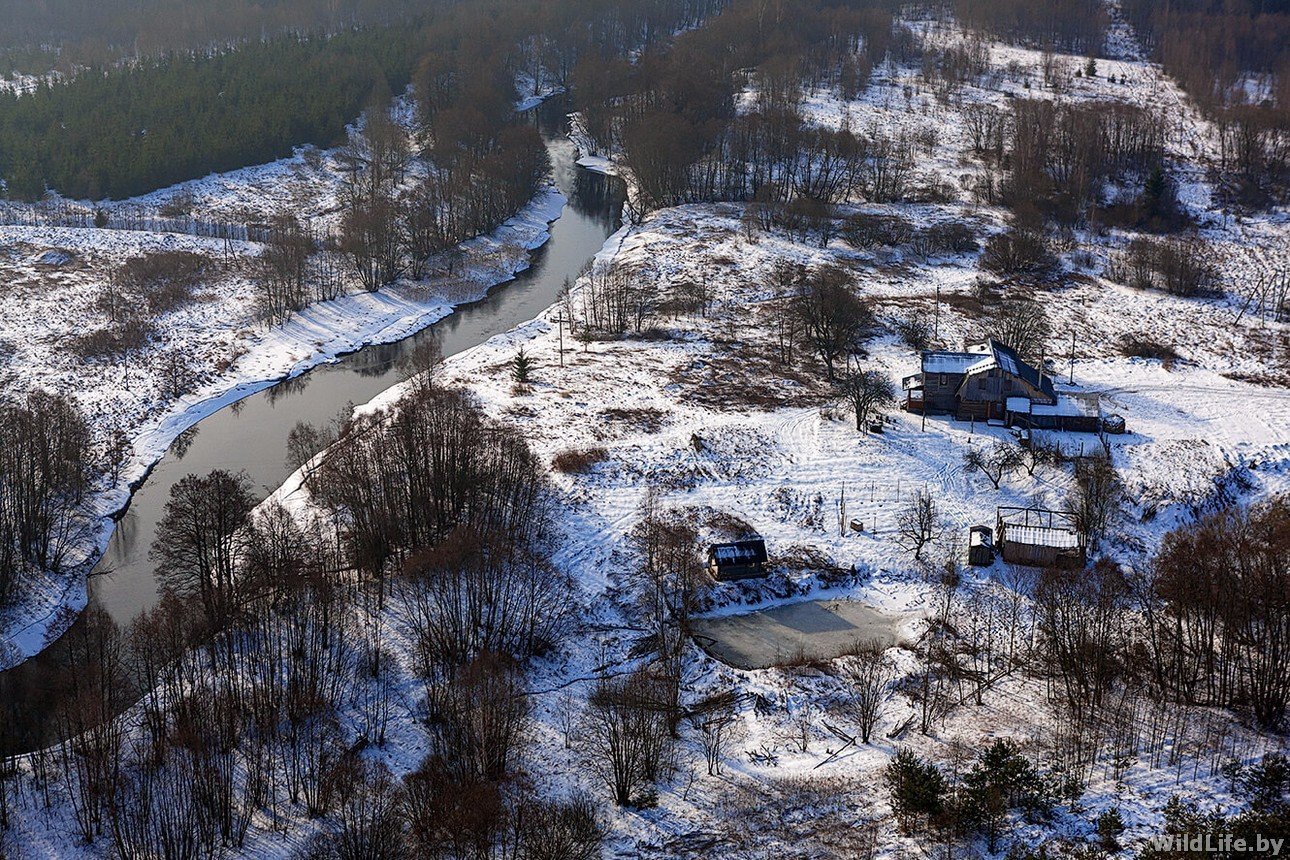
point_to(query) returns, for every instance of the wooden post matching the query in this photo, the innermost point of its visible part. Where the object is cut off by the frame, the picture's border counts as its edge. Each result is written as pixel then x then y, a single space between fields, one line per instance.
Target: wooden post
pixel 1072 379
pixel 936 317
pixel 560 320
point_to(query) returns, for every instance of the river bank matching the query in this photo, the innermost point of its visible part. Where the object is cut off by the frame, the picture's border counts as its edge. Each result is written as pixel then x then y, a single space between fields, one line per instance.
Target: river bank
pixel 323 336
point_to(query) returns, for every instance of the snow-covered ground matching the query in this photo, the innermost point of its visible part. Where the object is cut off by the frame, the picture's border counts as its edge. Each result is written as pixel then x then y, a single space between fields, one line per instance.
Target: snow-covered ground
pixel 701 413
pixel 51 279
pixel 54 274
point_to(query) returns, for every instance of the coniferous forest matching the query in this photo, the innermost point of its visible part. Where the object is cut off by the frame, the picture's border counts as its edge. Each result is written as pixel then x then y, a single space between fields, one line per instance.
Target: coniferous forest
pixel 127 131
pixel 125 128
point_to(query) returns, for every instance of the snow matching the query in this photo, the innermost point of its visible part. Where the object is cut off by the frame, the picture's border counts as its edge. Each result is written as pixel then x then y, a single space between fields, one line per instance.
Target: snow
pixel 228 351
pixel 773 456
pixel 52 277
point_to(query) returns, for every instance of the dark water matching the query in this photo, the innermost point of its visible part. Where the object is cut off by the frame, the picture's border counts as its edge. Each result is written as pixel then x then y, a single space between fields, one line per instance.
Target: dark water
pixel 251 434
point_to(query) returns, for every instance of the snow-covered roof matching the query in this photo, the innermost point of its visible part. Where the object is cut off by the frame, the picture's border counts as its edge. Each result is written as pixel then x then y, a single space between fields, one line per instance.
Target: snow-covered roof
pixel 986 356
pixel 1057 538
pixel 1067 404
pixel 949 362
pixel 738 552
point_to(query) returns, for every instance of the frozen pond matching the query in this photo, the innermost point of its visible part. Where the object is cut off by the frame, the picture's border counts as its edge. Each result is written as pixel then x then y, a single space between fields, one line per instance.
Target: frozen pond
pixel 812 630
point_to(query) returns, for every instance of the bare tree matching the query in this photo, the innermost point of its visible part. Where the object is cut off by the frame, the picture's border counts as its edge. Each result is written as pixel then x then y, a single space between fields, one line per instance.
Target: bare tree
pixel 833 318
pixel 868 391
pixel 918 522
pixel 478 718
pixel 1021 322
pixel 625 734
pixel 1095 498
pixel 869 675
pixel 995 462
pixel 196 546
pixel 45 468
pixel 560 831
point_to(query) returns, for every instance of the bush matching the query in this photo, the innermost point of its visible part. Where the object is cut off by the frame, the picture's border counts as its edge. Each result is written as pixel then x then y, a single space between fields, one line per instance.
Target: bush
pixel 162 281
pixel 1141 346
pixel 1176 265
pixel 864 231
pixel 914 331
pixel 954 237
pixel 1018 253
pixel 578 461
pixel 127 335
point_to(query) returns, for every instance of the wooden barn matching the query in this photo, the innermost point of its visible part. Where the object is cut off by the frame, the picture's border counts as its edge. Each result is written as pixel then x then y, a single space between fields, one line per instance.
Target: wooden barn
pixel 976 383
pixel 1077 413
pixel 1038 537
pixel 741 559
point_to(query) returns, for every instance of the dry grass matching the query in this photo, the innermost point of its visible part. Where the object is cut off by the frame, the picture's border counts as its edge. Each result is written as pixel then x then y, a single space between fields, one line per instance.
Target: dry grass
pixel 1141 346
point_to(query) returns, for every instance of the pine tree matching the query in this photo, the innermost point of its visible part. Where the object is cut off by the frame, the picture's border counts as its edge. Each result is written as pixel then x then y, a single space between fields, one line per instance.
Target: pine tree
pixel 521 368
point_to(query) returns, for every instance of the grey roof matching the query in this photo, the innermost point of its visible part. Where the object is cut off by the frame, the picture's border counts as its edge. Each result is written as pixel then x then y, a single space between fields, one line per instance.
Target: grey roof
pixel 739 552
pixel 984 357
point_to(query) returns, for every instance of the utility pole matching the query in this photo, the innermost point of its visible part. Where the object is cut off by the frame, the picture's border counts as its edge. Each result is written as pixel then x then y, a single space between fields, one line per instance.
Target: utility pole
pixel 561 321
pixel 1072 379
pixel 936 316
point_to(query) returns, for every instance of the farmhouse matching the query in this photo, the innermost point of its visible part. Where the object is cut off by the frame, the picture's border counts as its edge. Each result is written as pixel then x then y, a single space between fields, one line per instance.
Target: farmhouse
pixel 742 559
pixel 989 381
pixel 976 383
pixel 1039 538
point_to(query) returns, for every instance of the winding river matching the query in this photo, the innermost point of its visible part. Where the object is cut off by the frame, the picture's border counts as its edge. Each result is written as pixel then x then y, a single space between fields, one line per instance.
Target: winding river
pixel 251 434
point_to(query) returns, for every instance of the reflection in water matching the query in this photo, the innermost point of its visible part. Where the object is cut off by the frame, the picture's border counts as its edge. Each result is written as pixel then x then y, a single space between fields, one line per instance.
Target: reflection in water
pixel 375 360
pixel 183 442
pixel 251 435
pixel 287 387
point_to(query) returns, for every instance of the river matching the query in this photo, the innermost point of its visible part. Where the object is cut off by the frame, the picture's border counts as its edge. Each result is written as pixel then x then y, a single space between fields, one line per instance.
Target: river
pixel 251 434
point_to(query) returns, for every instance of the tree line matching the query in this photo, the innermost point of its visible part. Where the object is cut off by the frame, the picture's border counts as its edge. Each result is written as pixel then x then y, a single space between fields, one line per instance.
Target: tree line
pixel 673 113
pixel 46 467
pixel 66 35
pixel 1233 59
pixel 121 130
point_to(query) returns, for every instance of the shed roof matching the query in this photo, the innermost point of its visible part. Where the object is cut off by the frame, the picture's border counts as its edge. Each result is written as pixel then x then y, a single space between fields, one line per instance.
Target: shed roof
pixel 751 551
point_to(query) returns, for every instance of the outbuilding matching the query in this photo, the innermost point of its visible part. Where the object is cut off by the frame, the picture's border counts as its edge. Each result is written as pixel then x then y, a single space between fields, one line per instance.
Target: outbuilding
pixel 980 546
pixel 741 559
pixel 1039 537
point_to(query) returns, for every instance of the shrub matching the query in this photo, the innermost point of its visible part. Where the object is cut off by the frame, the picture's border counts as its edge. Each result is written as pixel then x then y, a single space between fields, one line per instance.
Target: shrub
pixel 1176 265
pixel 914 331
pixel 865 231
pixel 128 334
pixel 578 461
pixel 1141 346
pixel 1018 253
pixel 162 281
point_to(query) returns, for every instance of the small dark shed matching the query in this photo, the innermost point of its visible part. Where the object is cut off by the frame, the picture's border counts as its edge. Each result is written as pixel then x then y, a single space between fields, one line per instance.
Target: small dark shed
pixel 981 546
pixel 741 559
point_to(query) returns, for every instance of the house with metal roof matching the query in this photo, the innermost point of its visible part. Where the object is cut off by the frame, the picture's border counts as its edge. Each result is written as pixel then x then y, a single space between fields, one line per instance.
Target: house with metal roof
pixel 977 383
